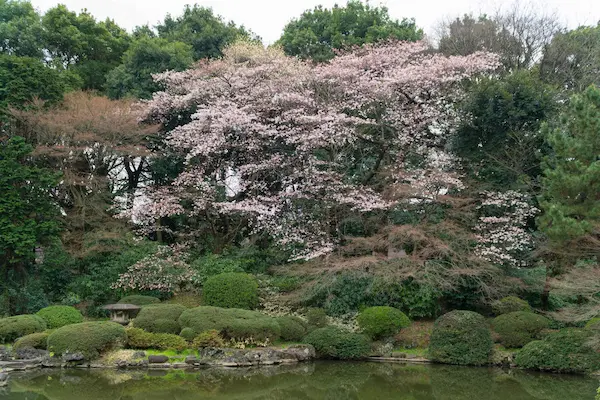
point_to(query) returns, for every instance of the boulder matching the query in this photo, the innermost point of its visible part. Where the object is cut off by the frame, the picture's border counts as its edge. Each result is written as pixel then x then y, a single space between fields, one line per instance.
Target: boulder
pixel 73 357
pixel 158 359
pixel 5 354
pixel 3 379
pixel 191 360
pixel 29 353
pixel 302 352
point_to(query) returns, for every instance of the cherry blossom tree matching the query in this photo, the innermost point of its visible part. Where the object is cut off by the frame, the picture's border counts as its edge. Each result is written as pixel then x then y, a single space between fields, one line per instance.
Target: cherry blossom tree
pixel 293 147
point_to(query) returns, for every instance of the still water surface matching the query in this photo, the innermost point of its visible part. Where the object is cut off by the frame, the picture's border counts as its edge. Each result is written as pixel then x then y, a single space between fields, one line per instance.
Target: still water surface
pixel 320 380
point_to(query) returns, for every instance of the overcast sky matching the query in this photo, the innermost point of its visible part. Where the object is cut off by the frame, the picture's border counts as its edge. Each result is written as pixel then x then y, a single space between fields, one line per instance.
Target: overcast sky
pixel 268 17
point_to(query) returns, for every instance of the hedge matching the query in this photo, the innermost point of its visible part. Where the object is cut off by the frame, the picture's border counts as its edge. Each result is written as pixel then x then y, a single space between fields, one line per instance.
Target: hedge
pixel 12 328
pixel 139 300
pixel 333 342
pixel 37 340
pixel 382 322
pixel 59 316
pixel 140 339
pixel 518 328
pixel 569 350
pixel 232 323
pixel 159 318
pixel 210 338
pixel 231 290
pixel 317 318
pixel 510 304
pixel 188 334
pixel 292 328
pixel 89 338
pixel 462 338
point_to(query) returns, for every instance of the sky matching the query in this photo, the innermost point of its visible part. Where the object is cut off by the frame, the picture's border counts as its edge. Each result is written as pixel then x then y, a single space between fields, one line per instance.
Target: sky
pixel 267 18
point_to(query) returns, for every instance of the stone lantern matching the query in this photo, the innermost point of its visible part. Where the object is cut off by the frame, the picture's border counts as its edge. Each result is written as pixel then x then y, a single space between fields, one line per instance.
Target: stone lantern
pixel 122 313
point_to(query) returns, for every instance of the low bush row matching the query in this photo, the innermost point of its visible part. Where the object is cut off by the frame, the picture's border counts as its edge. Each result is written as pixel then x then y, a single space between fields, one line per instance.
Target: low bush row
pixel 89 338
pixel 140 339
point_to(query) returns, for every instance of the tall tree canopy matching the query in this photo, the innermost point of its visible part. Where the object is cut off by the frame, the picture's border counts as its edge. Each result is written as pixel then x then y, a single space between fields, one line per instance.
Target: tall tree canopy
pixel 200 28
pixel 145 57
pixel 21 32
pixel 28 214
pixel 572 60
pixel 570 197
pixel 79 42
pixel 317 33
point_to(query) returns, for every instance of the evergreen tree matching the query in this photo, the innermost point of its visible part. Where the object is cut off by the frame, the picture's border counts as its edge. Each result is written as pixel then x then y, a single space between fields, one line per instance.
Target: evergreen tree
pixel 571 185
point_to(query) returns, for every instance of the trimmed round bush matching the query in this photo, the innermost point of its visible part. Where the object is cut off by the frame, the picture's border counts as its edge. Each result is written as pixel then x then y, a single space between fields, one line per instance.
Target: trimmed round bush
pixel 210 338
pixel 37 340
pixel 59 316
pixel 462 338
pixel 336 343
pixel 89 338
pixel 188 334
pixel 139 300
pixel 510 304
pixel 317 318
pixel 232 323
pixel 292 328
pixel 12 328
pixel 382 322
pixel 140 339
pixel 159 318
pixel 569 350
pixel 518 328
pixel 231 290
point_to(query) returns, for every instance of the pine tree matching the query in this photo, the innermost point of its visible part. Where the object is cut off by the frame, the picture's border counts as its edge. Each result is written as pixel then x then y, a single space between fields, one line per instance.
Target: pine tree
pixel 570 195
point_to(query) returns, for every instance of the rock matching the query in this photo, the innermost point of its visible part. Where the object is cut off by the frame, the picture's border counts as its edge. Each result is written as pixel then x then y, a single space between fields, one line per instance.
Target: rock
pixel 191 360
pixel 159 359
pixel 302 352
pixel 211 352
pixel 30 354
pixel 179 365
pixel 122 364
pixel 73 357
pixel 381 349
pixel 139 354
pixel 3 379
pixel 4 354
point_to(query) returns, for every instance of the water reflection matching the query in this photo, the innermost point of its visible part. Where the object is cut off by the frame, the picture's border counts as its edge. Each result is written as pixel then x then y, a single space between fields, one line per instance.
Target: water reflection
pixel 321 380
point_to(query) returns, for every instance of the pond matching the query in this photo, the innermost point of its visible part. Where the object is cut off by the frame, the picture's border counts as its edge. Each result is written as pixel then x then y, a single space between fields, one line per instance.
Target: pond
pixel 319 380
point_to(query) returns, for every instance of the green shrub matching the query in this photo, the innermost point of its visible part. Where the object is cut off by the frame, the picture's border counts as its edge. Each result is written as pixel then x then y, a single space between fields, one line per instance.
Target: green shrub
pixel 140 339
pixel 37 340
pixel 210 338
pixel 59 316
pixel 231 322
pixel 317 318
pixel 12 328
pixel 510 304
pixel 188 334
pixel 292 328
pixel 231 290
pixel 211 265
pixel 569 350
pixel 159 318
pixel 139 300
pixel 89 338
pixel 188 300
pixel 381 322
pixel 518 328
pixel 332 342
pixel 460 337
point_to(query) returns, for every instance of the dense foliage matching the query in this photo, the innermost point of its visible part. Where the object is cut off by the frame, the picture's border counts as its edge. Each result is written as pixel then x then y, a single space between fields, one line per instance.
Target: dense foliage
pixel 570 350
pixel 140 339
pixel 461 337
pixel 88 338
pixel 12 328
pixel 231 323
pixel 59 316
pixel 336 343
pixel 139 300
pixel 318 33
pixel 382 322
pixel 510 304
pixel 516 329
pixel 231 290
pixel 159 318
pixel 293 329
pixel 37 340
